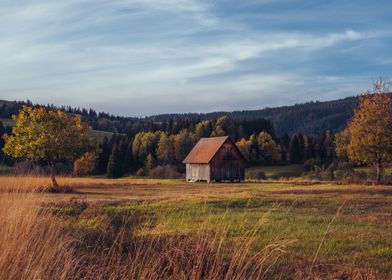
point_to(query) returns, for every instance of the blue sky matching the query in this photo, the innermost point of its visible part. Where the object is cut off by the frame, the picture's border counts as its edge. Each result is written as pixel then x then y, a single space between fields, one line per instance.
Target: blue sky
pixel 145 57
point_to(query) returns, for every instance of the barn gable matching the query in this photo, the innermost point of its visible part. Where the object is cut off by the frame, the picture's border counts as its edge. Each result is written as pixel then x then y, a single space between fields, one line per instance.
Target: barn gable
pixel 205 149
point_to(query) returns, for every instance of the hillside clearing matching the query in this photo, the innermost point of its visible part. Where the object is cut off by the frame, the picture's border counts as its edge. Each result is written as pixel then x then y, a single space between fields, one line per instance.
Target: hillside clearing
pixel 99 135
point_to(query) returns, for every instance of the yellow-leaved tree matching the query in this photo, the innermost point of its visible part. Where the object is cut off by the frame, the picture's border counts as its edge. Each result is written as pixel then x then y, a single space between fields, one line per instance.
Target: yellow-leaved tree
pixel 47 136
pixel 368 138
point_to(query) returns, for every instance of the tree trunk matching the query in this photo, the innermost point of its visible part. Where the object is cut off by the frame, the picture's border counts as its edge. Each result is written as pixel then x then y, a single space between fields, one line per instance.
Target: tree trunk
pixel 379 172
pixel 53 176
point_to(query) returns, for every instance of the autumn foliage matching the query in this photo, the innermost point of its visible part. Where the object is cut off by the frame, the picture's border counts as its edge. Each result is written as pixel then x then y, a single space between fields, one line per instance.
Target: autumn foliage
pixel 368 138
pixel 47 136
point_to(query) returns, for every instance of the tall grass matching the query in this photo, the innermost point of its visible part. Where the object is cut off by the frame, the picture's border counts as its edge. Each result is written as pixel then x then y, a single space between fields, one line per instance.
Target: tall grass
pixel 32 245
pixel 36 245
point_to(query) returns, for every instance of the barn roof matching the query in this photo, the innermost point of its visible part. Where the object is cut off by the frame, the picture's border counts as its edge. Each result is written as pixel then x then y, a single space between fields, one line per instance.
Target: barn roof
pixel 205 149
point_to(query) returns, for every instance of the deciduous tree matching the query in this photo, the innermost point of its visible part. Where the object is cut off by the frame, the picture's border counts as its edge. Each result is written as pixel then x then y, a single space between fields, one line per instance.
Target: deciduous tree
pixel 269 151
pixel 224 126
pixel 245 147
pixel 47 136
pixel 85 165
pixel 165 152
pixel 370 129
pixel 182 144
pixel 203 129
pixel 150 162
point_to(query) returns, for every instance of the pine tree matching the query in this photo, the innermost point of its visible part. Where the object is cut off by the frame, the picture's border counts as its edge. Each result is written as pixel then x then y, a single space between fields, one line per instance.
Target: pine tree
pixel 103 156
pixel 127 162
pixel 285 146
pixel 309 148
pixel 296 149
pixel 114 166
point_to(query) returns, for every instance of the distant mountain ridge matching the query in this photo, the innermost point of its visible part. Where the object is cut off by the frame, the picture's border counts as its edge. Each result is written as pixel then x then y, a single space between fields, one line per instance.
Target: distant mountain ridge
pixel 310 118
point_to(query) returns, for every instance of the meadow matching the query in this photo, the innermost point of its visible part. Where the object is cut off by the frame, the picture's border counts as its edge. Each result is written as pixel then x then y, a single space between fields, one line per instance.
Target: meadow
pixel 272 229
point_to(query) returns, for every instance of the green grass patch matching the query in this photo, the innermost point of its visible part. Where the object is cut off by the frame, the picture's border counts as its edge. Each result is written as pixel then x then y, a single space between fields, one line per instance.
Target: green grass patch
pixel 5 169
pixel 276 172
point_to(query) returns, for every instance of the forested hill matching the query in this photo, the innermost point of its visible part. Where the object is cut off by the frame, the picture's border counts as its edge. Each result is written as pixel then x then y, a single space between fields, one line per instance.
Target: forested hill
pixel 309 118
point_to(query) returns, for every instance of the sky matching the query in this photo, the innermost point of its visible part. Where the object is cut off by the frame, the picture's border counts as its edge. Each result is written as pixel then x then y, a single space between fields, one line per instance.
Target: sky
pixel 145 57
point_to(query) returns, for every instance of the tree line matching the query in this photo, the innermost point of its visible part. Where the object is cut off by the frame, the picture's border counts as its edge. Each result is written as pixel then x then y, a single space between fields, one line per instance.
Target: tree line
pixel 142 149
pixel 46 135
pixel 149 149
pixel 310 118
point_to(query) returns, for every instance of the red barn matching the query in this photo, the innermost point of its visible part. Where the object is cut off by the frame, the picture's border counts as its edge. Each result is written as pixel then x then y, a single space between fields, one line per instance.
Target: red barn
pixel 215 159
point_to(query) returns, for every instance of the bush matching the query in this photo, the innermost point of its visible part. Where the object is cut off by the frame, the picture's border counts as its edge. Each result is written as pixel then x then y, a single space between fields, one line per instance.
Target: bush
pixel 345 166
pixel 256 175
pixel 85 165
pixel 27 167
pixel 165 172
pixel 141 172
pixel 350 176
pixel 310 164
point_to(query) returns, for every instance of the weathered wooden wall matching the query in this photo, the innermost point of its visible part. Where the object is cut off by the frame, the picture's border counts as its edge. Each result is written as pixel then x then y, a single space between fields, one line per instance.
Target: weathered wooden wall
pixel 227 164
pixel 197 172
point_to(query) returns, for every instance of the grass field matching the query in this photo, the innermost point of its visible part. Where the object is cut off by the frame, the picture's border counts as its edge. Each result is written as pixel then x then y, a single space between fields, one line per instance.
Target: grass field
pixel 325 230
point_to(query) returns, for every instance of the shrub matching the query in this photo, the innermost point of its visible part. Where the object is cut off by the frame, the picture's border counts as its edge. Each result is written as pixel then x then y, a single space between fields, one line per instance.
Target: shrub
pixel 345 166
pixel 27 167
pixel 310 164
pixel 85 165
pixel 256 175
pixel 350 176
pixel 165 172
pixel 141 172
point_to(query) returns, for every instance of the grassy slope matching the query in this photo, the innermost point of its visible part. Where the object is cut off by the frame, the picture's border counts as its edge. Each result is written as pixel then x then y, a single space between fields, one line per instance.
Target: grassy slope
pixel 357 235
pixel 97 134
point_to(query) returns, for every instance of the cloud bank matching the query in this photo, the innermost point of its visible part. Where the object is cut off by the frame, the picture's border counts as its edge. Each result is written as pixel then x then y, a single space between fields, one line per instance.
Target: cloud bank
pixel 145 57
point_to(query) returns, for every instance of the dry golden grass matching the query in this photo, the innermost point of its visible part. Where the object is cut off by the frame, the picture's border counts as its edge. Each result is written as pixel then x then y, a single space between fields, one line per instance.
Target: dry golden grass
pixel 157 229
pixel 34 245
pixel 27 184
